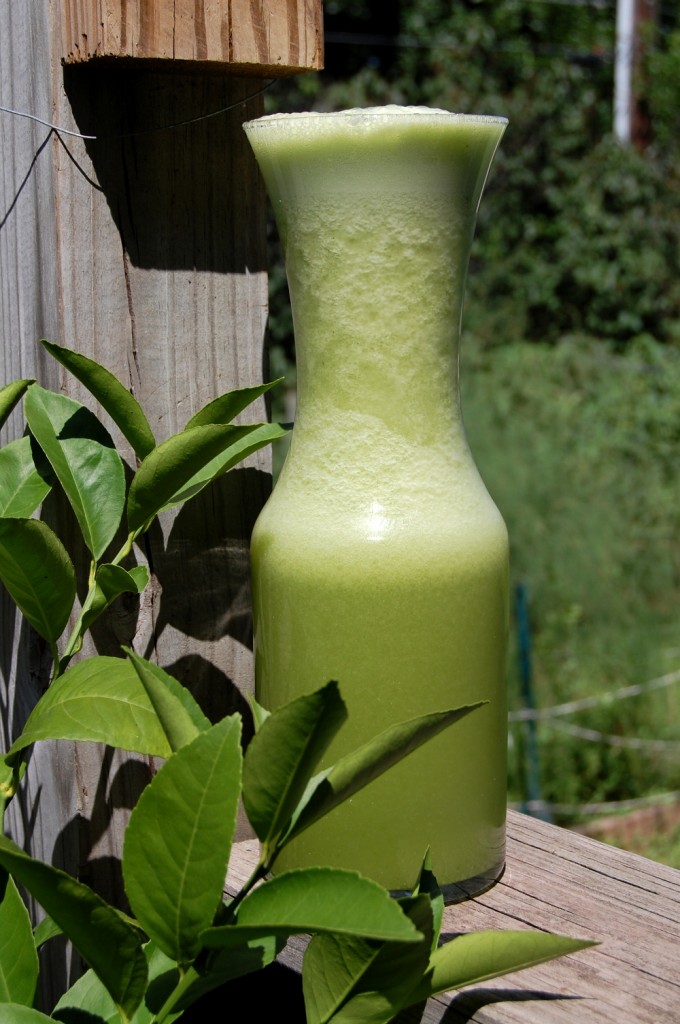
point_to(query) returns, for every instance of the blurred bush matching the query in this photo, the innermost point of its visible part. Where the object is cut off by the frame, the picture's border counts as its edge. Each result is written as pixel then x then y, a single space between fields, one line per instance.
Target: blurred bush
pixel 571 349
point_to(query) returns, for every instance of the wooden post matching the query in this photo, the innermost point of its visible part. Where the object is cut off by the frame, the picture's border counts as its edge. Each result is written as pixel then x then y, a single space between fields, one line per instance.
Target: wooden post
pixel 143 248
pixel 268 38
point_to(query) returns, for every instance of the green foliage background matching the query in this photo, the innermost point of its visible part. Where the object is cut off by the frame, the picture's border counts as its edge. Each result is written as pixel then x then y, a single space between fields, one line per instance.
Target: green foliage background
pixel 571 347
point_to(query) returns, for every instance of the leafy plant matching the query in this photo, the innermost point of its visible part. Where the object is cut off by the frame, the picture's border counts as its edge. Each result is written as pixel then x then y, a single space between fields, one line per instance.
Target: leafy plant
pixel 67 445
pixel 370 955
pixel 591 505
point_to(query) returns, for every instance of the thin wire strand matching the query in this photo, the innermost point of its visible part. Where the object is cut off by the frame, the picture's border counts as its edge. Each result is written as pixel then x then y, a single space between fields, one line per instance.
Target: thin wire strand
pixel 624 742
pixel 144 131
pixel 47 124
pixel 604 807
pixel 540 714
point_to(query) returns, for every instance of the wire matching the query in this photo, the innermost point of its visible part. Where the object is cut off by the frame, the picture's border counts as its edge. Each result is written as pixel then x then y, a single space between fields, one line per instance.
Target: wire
pixel 627 742
pixel 542 714
pixel 144 131
pixel 605 807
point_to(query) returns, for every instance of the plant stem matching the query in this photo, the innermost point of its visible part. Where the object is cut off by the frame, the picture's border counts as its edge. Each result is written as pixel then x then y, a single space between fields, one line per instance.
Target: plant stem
pixel 76 638
pixel 185 982
pixel 259 873
pixel 126 548
pixel 55 662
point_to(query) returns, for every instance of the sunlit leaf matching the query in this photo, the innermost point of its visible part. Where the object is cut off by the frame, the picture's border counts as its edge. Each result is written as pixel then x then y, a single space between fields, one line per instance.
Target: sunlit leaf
pixel 479 956
pixel 99 699
pixel 316 900
pixel 110 946
pixel 84 460
pixel 225 407
pixel 18 956
pixel 121 406
pixel 182 466
pixel 349 980
pixel 22 487
pixel 282 755
pixel 354 771
pixel 170 466
pixel 179 837
pixel 38 574
pixel 178 713
pixel 257 436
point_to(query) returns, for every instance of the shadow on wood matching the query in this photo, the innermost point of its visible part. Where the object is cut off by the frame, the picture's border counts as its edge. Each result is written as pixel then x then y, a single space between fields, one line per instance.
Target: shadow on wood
pixel 168 183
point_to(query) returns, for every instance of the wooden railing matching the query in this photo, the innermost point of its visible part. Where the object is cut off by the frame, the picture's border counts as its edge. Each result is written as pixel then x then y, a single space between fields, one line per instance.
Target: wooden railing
pixel 559 881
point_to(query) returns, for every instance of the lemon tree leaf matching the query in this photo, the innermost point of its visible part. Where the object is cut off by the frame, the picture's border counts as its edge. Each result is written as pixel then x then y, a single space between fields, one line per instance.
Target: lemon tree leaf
pixel 38 574
pixel 10 395
pixel 122 407
pixel 105 941
pixel 178 840
pixel 83 458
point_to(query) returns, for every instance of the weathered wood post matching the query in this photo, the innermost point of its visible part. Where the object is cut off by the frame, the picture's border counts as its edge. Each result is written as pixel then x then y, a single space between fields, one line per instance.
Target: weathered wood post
pixel 144 248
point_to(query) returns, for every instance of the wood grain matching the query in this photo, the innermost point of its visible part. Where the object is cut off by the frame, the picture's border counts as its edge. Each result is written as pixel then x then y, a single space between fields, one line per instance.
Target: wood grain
pixel 566 883
pixel 145 250
pixel 261 37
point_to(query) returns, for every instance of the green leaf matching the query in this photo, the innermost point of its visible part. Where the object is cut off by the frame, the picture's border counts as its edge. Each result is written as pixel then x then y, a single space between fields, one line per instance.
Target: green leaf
pixel 38 573
pixel 88 1001
pixel 354 771
pixel 429 886
pixel 18 956
pixel 22 488
pixel 224 408
pixel 44 931
pixel 12 1013
pixel 170 466
pixel 225 965
pixel 84 460
pixel 121 406
pixel 179 838
pixel 179 715
pixel 110 582
pixel 257 436
pixel 100 700
pixel 10 777
pixel 316 900
pixel 352 981
pixel 184 464
pixel 260 714
pixel 479 956
pixel 88 995
pixel 110 946
pixel 10 395
pixel 282 755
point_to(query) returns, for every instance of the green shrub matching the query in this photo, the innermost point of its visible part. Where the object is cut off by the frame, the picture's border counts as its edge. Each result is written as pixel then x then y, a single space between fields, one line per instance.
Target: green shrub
pixel 577 445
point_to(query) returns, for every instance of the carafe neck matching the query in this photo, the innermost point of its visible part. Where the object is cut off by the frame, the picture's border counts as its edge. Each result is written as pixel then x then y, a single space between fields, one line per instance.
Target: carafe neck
pixel 376 212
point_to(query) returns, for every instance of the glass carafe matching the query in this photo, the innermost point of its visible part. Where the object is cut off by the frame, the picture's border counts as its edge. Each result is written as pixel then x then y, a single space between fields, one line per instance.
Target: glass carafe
pixel 380 560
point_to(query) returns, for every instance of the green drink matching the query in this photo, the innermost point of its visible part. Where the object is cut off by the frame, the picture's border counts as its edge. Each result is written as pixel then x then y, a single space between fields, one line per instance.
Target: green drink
pixel 380 560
